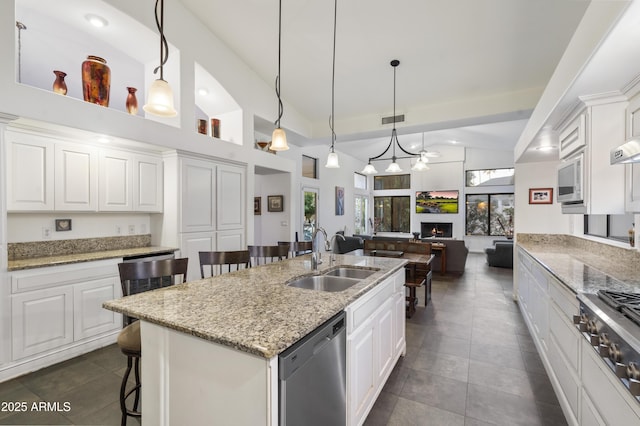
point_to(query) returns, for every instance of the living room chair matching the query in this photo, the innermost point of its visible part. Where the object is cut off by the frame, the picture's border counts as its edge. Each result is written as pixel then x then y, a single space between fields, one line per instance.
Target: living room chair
pixel 501 254
pixel 137 277
pixel 216 260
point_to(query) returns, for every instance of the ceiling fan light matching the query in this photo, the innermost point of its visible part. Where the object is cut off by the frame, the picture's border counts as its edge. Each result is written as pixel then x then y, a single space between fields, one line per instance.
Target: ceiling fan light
pixel 332 161
pixel 393 168
pixel 369 169
pixel 279 140
pixel 160 99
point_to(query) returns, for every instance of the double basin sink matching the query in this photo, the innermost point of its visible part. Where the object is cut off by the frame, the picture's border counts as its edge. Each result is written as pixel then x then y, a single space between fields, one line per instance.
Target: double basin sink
pixel 338 279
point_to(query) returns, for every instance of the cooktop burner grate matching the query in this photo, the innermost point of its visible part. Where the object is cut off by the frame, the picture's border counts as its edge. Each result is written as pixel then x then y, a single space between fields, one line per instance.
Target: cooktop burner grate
pixel 632 311
pixel 618 299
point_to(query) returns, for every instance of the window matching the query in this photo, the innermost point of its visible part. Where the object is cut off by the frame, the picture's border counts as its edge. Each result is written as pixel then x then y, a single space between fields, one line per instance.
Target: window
pixel 361 209
pixel 359 181
pixel 392 182
pixel 392 214
pixel 310 208
pixel 611 226
pixel 490 214
pixel 309 167
pixel 489 177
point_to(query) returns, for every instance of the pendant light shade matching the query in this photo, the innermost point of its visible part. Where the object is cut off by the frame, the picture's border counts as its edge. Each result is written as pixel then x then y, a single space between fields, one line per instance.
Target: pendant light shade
pixel 369 169
pixel 420 166
pixel 393 167
pixel 279 137
pixel 160 100
pixel 160 95
pixel 332 158
pixel 279 140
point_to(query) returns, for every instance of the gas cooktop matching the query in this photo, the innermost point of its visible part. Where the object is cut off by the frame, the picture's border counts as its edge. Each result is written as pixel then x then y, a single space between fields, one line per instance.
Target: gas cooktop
pixel 626 303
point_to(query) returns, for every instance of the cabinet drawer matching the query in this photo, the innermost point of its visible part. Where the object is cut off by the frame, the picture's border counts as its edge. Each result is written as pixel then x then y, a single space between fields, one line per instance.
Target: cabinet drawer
pixel 540 276
pixel 567 379
pixel 566 336
pixel 566 302
pixel 61 275
pixel 360 310
pixel 524 258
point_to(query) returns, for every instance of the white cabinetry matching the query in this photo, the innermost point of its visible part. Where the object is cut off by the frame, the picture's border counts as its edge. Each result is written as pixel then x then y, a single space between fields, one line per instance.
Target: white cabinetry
pixel 29 172
pixel 211 208
pixel 632 171
pixel 595 131
pixel 375 341
pixel 76 177
pixel 148 191
pixel 56 312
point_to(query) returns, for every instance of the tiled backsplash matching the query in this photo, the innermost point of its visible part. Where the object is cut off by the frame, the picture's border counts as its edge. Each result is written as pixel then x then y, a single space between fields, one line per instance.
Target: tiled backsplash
pixel 28 250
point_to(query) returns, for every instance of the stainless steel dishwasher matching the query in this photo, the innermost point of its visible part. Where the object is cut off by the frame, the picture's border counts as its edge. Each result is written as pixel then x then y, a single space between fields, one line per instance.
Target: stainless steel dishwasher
pixel 313 377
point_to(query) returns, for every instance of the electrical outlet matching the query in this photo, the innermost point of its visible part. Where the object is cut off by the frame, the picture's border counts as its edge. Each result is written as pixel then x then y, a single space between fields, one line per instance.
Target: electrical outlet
pixel 118 230
pixel 132 229
pixel 46 232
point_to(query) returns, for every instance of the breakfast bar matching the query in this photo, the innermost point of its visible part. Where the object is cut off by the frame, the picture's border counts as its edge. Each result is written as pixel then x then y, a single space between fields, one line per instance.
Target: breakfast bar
pixel 210 347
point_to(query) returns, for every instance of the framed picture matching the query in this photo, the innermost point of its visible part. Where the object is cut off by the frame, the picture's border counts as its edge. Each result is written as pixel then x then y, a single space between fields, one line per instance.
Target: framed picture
pixel 275 203
pixel 257 205
pixel 339 201
pixel 540 195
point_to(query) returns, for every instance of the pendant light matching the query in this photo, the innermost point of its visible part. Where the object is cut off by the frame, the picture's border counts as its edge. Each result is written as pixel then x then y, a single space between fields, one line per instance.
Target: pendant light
pixel 423 159
pixel 160 95
pixel 279 137
pixel 394 167
pixel 332 158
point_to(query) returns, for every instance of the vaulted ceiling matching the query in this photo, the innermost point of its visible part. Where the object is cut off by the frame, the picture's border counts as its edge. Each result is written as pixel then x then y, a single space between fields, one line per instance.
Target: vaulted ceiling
pixel 471 70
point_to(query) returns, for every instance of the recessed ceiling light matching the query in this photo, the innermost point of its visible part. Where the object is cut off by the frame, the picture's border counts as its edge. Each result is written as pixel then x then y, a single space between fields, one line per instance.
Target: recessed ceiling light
pixel 104 139
pixel 96 20
pixel 203 91
pixel 453 142
pixel 546 148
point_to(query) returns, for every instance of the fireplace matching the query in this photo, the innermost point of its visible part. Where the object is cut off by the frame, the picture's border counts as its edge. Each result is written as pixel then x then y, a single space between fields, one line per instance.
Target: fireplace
pixel 436 229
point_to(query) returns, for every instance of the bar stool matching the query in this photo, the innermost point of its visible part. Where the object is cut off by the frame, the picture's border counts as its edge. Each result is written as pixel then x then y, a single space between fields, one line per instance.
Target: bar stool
pixel 222 258
pixel 270 253
pixel 137 277
pixel 298 248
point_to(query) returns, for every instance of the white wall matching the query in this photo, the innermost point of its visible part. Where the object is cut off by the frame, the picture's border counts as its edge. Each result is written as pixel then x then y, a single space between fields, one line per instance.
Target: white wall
pixel 271 227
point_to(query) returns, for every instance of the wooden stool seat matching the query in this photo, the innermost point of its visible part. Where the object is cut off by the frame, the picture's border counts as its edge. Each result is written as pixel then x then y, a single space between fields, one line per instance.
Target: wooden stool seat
pixel 412 298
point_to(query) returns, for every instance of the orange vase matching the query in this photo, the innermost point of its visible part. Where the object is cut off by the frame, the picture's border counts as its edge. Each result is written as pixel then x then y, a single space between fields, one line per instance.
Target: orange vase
pixel 132 101
pixel 59 85
pixel 96 80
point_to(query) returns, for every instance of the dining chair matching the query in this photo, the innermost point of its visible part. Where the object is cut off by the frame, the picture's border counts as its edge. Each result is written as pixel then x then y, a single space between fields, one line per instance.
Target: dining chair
pixel 211 259
pixel 298 248
pixel 137 277
pixel 267 254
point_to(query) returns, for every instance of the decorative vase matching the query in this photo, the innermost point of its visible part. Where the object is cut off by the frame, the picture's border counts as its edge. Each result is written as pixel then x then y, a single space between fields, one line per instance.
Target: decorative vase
pixel 202 126
pixel 215 128
pixel 132 101
pixel 59 85
pixel 96 80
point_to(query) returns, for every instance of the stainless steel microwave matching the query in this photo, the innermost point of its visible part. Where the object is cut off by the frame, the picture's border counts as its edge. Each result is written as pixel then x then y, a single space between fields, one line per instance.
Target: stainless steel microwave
pixel 571 181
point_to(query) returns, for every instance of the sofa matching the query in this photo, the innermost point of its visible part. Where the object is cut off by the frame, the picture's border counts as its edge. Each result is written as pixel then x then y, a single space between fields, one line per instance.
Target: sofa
pixel 500 254
pixel 351 243
pixel 456 251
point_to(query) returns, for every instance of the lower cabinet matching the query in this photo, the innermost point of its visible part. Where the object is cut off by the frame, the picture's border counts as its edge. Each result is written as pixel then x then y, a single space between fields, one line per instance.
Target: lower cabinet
pixel 56 312
pixel 375 341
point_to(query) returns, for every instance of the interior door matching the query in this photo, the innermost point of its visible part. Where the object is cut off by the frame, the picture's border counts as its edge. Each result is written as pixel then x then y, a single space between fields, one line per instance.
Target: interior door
pixel 310 197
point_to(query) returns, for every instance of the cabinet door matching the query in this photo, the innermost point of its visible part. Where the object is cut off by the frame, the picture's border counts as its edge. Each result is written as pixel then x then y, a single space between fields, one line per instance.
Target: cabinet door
pixel 399 312
pixel 230 197
pixel 76 178
pixel 148 184
pixel 115 181
pixel 90 318
pixel 362 372
pixel 230 240
pixel 386 343
pixel 29 173
pixel 573 136
pixel 41 320
pixel 190 245
pixel 632 171
pixel 198 205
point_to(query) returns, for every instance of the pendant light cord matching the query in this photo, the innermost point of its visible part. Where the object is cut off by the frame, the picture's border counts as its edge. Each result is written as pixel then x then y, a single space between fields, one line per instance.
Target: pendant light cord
pixel 333 77
pixel 280 107
pixel 164 46
pixel 21 27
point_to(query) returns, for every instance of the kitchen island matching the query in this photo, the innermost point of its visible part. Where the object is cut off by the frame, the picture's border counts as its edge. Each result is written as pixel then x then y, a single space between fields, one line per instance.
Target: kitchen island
pixel 210 347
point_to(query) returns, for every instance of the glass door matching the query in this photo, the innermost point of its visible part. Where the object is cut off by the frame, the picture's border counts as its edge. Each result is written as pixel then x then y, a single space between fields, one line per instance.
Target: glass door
pixel 310 212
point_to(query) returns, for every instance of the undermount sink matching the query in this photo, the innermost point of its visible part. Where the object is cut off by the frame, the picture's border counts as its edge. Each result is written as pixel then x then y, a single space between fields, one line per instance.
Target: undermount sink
pixel 324 283
pixel 351 273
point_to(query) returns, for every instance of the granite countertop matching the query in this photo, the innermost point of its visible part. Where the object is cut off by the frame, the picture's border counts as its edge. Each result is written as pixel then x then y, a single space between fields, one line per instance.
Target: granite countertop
pixel 252 310
pixel 584 271
pixel 41 262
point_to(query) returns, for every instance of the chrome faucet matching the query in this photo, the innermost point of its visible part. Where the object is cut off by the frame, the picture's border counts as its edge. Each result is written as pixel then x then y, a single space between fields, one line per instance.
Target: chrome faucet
pixel 315 255
pixel 332 256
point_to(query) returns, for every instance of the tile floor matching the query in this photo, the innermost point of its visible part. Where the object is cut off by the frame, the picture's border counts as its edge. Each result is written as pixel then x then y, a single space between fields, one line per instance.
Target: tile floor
pixel 470 361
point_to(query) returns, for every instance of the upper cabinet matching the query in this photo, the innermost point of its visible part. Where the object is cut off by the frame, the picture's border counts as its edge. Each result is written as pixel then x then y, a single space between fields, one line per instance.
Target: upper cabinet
pixel 47 174
pixel 632 171
pixel 573 137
